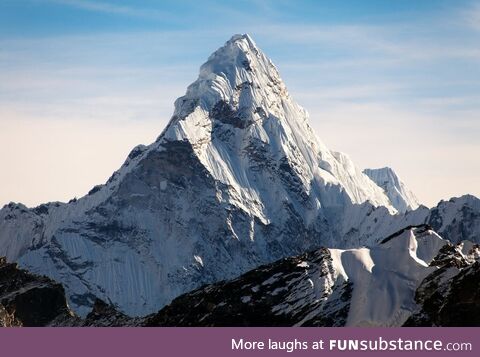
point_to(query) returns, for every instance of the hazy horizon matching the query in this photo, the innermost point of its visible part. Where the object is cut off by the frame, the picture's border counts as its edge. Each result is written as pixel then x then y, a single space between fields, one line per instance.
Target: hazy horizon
pixel 389 84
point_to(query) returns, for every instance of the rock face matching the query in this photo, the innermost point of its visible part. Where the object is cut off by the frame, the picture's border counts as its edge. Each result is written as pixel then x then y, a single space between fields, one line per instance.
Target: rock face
pixel 105 315
pixel 399 195
pixel 451 295
pixel 30 300
pixel 456 220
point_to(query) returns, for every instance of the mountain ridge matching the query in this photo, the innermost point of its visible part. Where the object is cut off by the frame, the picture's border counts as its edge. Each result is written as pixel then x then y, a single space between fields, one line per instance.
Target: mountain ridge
pixel 323 287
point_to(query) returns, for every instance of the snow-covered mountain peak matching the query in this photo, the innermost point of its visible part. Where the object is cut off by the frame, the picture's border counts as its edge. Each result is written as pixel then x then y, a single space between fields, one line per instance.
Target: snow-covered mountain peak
pixel 239 117
pixel 238 86
pixel 240 63
pixel 401 197
pixel 237 179
pixel 238 52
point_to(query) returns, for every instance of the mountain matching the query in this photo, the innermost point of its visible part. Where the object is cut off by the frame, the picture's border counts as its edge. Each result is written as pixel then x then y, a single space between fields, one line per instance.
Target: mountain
pixel 399 195
pixel 412 278
pixel 457 219
pixel 236 180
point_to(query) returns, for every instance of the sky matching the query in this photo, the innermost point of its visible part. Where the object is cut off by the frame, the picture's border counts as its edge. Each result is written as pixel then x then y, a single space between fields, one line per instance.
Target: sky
pixel 390 83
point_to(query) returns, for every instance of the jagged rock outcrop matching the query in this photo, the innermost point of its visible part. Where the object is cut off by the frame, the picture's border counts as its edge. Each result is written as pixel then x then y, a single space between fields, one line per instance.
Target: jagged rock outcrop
pixel 456 220
pixel 451 295
pixel 412 278
pixel 30 300
pixel 106 315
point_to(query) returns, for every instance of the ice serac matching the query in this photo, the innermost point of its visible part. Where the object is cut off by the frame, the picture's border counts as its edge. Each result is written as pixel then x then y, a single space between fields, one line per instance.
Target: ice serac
pixel 400 196
pixel 385 277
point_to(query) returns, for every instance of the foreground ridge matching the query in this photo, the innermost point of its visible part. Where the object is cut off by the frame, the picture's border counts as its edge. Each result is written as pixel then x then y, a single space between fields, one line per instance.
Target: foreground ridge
pixel 325 287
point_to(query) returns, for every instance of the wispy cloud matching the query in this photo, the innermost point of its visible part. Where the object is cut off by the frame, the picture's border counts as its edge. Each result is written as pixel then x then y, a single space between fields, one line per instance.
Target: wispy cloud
pixel 392 41
pixel 112 8
pixel 471 15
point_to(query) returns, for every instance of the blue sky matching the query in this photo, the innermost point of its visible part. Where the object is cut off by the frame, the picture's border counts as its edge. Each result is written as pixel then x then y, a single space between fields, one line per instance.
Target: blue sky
pixel 392 83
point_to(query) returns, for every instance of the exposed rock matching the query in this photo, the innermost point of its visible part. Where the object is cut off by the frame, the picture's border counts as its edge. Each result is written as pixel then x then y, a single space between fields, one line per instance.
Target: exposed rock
pixel 292 291
pixel 105 315
pixel 30 300
pixel 325 287
pixel 449 297
pixel 237 178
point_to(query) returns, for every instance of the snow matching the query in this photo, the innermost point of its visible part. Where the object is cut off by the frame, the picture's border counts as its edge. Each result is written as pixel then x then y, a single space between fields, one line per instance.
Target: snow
pixel 385 277
pixel 306 292
pixel 163 185
pixel 400 196
pixel 311 283
pixel 246 299
pixel 451 211
pixel 283 126
pixel 302 265
pixel 198 259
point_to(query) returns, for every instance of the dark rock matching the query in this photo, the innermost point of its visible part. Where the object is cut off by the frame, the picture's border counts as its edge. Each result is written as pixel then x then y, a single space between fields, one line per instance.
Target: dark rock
pixel 421 228
pixel 30 300
pixel 449 296
pixel 278 294
pixel 105 315
pixel 42 209
pixel 94 190
pixel 223 113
